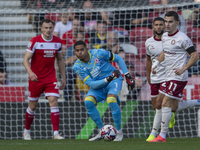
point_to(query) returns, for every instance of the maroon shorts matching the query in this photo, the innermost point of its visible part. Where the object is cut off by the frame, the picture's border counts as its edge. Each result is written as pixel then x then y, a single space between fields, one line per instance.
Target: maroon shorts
pixel 37 88
pixel 174 89
pixel 156 88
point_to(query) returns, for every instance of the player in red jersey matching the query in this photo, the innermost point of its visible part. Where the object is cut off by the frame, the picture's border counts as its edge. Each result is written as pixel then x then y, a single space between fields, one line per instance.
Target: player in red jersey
pixel 42 50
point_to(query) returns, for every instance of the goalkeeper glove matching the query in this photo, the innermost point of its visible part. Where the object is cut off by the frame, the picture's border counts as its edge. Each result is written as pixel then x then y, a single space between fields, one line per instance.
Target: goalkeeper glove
pixel 116 74
pixel 130 81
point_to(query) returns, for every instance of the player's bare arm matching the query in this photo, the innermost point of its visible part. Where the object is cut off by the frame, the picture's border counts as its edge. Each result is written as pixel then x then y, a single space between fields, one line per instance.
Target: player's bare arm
pixel 63 50
pixel 158 61
pixel 194 57
pixel 148 69
pixel 70 60
pixel 27 57
pixel 61 67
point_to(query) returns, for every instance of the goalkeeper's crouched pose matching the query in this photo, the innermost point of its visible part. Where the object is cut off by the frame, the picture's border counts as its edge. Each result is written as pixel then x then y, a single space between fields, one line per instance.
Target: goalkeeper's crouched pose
pixel 105 82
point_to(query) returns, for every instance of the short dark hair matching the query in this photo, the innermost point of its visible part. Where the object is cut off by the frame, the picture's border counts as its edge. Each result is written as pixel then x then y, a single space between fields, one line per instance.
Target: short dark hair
pixel 159 19
pixel 79 43
pixel 46 21
pixel 172 14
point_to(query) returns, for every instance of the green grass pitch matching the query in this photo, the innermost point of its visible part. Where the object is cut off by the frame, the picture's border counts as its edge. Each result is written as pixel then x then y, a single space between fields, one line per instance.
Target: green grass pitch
pixel 126 144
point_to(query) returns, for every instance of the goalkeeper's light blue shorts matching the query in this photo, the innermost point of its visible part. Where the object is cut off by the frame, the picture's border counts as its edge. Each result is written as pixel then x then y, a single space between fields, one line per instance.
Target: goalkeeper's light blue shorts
pixel 113 87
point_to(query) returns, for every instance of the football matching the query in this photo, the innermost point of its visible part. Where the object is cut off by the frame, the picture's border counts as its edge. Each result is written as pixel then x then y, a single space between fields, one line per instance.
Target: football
pixel 108 132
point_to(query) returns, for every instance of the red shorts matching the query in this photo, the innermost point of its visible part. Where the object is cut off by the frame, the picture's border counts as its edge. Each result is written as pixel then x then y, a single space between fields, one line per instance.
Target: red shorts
pixel 158 87
pixel 174 89
pixel 37 88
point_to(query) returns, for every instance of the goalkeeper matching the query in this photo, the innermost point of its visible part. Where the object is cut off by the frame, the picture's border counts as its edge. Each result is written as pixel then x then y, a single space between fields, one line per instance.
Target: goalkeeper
pixel 105 82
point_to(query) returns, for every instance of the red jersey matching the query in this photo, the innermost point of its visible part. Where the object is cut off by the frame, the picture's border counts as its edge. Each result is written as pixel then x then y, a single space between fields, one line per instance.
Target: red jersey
pixel 44 53
pixel 68 39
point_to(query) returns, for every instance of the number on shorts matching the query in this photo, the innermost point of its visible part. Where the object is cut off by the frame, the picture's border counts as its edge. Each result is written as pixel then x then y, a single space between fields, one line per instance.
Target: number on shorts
pixel 56 83
pixel 164 84
pixel 174 85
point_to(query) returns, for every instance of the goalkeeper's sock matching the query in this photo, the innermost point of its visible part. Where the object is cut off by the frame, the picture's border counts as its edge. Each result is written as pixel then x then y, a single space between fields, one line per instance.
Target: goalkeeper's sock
pixel 93 113
pixel 166 117
pixel 29 118
pixel 187 104
pixel 156 122
pixel 116 113
pixel 55 118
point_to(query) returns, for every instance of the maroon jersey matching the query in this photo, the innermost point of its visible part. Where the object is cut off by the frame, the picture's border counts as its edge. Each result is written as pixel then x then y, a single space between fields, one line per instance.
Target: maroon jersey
pixel 44 53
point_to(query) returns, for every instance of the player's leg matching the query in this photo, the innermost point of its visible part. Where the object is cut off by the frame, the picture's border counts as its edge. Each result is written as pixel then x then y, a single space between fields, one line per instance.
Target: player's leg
pixel 156 102
pixel 52 94
pixel 114 89
pixel 90 101
pixel 174 90
pixel 55 116
pixel 166 117
pixel 183 104
pixel 30 113
pixel 35 89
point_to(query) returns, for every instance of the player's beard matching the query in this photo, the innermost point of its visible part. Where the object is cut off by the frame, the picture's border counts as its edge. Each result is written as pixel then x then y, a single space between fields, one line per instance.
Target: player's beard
pixel 159 33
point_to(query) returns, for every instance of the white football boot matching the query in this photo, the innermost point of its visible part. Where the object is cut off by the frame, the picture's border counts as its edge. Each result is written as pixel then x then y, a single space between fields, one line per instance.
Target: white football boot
pixel 58 137
pixel 97 137
pixel 27 135
pixel 119 136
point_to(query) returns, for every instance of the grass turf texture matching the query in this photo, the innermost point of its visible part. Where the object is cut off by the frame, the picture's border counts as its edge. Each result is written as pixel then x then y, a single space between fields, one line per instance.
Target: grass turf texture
pixel 126 144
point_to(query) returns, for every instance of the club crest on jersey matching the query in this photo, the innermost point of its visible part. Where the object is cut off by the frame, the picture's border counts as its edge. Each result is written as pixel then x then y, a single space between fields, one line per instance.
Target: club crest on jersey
pixel 56 46
pixel 96 60
pixel 173 42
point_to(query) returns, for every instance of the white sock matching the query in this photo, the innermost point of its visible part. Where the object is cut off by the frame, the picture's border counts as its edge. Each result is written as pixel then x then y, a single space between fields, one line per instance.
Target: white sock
pixel 166 117
pixel 119 131
pixel 184 104
pixel 55 133
pixel 156 122
pixel 27 131
pixel 163 135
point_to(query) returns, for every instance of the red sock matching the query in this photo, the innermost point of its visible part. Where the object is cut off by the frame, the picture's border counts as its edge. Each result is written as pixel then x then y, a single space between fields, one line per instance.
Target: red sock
pixel 29 118
pixel 55 118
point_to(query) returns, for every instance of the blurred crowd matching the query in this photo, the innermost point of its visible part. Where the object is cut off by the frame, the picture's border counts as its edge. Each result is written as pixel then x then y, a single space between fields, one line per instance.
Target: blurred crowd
pixel 123 32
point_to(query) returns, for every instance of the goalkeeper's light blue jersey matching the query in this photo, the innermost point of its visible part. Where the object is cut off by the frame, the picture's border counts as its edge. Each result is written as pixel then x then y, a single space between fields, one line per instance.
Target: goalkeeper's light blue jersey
pixel 98 67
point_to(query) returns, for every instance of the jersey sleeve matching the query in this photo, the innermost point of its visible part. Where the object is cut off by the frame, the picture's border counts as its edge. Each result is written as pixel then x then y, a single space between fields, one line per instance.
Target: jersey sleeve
pixel 60 46
pixel 56 29
pixel 31 45
pixel 186 43
pixel 105 54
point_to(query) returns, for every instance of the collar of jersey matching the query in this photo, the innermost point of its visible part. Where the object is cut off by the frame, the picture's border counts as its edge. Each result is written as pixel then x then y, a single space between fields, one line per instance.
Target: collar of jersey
pixel 100 37
pixel 47 40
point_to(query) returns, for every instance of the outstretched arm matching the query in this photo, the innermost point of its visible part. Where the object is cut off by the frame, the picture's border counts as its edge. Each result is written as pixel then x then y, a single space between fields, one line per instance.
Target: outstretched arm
pixel 100 83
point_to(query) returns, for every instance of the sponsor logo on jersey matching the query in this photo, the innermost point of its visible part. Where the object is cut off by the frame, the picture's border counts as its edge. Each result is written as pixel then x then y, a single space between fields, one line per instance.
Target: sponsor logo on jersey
pixel 151 47
pixel 173 42
pixel 169 53
pixel 95 72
